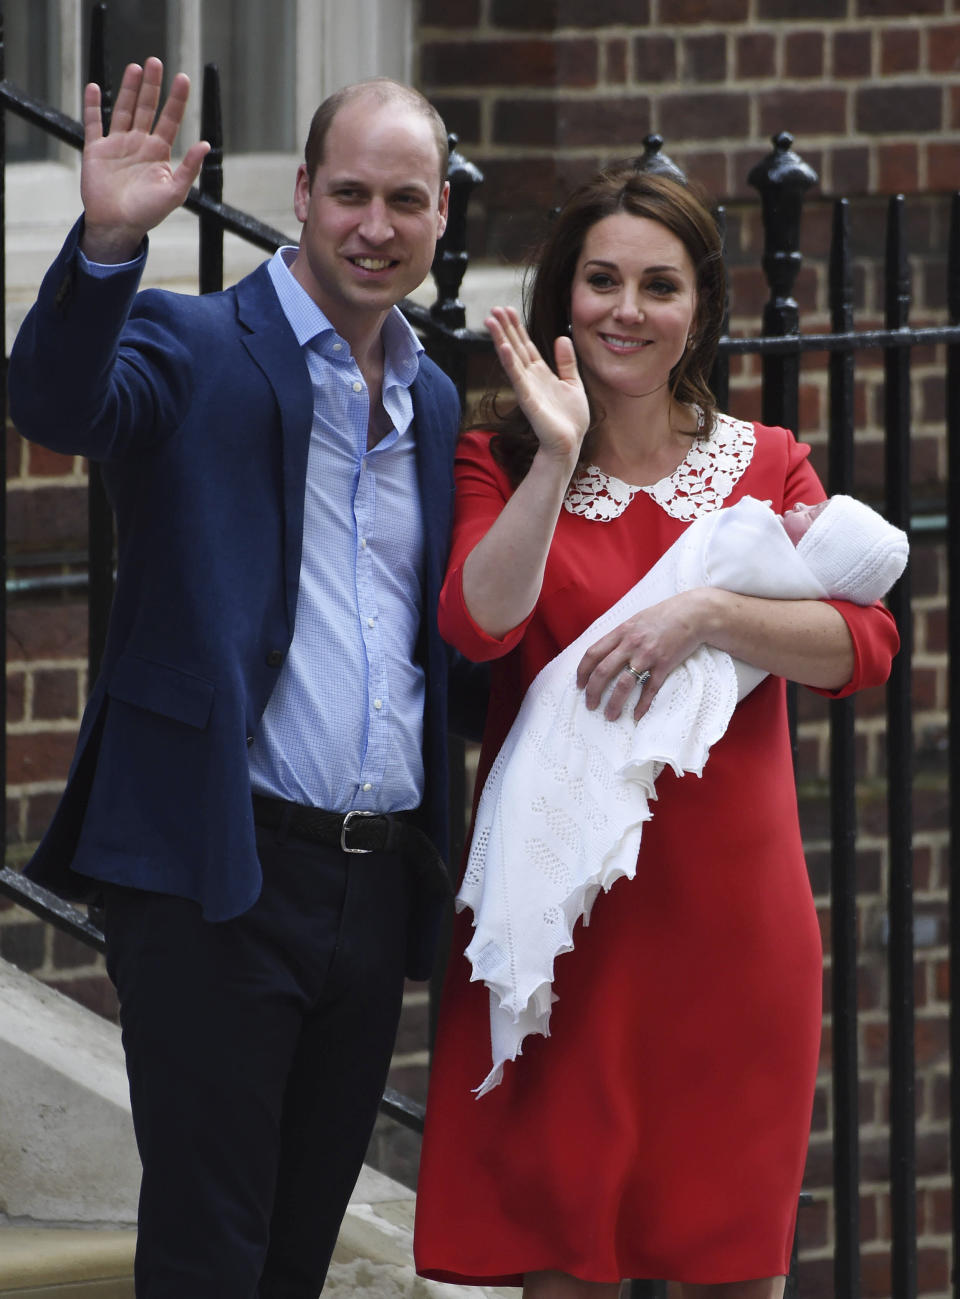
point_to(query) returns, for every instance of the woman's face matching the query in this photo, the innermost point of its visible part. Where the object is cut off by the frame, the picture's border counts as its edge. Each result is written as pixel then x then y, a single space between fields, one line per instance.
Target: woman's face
pixel 632 305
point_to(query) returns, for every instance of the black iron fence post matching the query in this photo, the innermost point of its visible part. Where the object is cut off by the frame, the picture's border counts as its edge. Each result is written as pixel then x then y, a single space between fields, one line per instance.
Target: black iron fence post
pixel 449 267
pixel 210 267
pixel 903 1191
pixel 953 608
pixel 782 179
pixel 843 822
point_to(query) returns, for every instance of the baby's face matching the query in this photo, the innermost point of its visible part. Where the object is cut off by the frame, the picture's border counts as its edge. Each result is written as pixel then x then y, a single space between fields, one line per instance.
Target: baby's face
pixel 798 519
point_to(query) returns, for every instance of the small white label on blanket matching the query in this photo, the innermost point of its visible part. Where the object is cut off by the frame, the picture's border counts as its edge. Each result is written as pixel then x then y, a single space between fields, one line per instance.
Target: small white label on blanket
pixel 488 959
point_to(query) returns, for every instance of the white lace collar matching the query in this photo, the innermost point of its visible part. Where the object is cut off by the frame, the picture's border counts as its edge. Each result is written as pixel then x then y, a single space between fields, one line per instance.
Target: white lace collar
pixel 699 485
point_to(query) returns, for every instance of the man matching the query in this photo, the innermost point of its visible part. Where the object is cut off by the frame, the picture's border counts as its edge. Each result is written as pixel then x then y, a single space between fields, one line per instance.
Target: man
pixel 279 459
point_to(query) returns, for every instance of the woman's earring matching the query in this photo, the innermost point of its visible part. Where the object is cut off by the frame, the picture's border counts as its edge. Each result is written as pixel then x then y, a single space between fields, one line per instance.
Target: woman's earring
pixel 569 326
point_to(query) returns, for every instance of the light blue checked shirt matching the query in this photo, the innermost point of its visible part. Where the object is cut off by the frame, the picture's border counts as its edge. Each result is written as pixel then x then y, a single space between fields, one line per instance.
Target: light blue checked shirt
pixel 343 728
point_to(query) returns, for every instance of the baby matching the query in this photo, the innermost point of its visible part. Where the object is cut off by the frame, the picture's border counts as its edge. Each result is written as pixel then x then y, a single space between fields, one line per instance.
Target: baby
pixel 571 790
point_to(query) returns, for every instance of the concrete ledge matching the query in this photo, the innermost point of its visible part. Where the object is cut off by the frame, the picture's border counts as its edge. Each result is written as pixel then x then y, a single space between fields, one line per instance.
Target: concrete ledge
pixel 59 1263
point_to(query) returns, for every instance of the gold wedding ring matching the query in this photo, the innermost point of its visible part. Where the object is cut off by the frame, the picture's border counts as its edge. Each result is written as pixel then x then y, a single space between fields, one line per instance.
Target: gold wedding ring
pixel 641 677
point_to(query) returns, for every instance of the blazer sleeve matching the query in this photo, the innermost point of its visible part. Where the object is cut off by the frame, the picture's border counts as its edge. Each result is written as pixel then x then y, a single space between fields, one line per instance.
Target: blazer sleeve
pixel 93 371
pixel 872 628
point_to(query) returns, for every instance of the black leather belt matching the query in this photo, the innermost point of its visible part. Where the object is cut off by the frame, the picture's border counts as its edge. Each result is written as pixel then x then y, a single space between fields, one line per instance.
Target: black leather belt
pixel 357 832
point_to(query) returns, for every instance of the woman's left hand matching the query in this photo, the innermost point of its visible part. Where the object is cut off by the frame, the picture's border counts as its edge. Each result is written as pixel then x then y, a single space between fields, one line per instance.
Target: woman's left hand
pixel 656 640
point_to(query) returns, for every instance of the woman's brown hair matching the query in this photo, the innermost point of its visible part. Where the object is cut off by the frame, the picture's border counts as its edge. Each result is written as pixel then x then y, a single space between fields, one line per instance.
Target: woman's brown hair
pixel 683 211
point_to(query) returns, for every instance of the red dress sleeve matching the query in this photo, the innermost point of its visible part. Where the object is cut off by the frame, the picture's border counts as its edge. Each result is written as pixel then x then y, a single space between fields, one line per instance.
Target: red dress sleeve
pixel 872 627
pixel 482 491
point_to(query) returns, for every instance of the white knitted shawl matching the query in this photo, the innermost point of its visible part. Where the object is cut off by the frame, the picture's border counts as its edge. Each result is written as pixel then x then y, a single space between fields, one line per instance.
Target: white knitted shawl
pixel 562 812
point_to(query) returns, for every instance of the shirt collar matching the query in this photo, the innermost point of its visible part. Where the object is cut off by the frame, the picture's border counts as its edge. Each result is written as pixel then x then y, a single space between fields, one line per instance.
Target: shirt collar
pixel 402 348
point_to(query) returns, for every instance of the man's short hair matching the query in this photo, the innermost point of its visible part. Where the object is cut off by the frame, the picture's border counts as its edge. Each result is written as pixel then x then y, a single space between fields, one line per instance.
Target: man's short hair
pixel 382 91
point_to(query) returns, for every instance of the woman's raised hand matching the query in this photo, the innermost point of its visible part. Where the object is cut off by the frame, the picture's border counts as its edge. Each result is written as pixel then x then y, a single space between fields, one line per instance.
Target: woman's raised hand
pixel 555 404
pixel 127 181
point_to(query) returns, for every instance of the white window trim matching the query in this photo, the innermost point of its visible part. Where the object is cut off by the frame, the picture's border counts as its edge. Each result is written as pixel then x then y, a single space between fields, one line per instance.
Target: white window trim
pixel 337 43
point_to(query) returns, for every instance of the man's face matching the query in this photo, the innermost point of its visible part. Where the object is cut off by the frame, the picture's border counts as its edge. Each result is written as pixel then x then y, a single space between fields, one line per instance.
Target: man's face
pixel 372 216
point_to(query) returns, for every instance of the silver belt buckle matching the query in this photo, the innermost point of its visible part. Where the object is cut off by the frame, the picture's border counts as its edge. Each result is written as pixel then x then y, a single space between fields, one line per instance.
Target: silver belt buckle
pixel 345 827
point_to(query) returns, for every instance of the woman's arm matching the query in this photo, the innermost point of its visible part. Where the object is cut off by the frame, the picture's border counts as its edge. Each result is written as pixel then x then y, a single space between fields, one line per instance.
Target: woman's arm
pixel 503 574
pixel 807 641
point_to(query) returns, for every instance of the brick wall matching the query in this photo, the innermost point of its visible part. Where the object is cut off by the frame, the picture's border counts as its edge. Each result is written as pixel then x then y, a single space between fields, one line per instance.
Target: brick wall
pixel 543 91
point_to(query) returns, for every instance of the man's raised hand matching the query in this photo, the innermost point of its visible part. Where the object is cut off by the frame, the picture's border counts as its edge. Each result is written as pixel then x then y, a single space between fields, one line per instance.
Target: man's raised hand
pixel 127 180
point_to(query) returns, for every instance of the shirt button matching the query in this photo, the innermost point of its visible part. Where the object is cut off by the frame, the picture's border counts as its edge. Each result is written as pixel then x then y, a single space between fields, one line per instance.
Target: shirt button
pixel 363 543
pixel 367 787
pixel 338 347
pixel 275 659
pixel 357 386
pixel 370 622
pixel 378 704
pixel 249 741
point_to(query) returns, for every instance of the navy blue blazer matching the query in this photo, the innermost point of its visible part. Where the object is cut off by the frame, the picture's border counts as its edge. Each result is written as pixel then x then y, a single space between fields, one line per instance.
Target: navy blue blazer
pixel 199 410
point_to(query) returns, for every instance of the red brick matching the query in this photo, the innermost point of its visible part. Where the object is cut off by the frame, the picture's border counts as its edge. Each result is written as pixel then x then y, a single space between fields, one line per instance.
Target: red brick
pixel 899 50
pixel 898 168
pixel 705 58
pixel 850 168
pixel 897 8
pixel 909 109
pixel 943 166
pixel 70 953
pixel 654 59
pixel 851 54
pixel 449 13
pixel 530 122
pixel 39 757
pixel 509 63
pixel 943 48
pixel 43 463
pixel 938 1212
pixel 698 117
pixel 16 453
pixel 549 14
pixel 40 810
pixel 23 945
pixel 707 167
pixel 802 112
pixel 56 695
pixel 615 54
pixel 954 108
pixel 754 55
pixel 933 1270
pixel 47 631
pixel 461 114
pixel 618 124
pixel 16 682
pixel 519 181
pixel 708 11
pixel 803 54
pixel 47 517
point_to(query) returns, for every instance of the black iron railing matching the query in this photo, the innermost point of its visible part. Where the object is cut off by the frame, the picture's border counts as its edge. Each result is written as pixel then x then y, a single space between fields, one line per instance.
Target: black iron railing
pixel 782 179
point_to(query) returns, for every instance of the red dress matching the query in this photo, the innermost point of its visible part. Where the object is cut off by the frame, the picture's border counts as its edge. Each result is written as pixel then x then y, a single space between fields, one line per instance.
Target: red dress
pixel 661 1130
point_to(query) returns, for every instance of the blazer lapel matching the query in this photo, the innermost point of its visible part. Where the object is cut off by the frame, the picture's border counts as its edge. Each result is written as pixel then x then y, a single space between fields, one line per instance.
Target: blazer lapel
pixel 273 346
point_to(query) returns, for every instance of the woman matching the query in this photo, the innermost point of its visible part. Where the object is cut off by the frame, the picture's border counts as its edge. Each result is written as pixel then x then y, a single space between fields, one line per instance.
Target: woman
pixel 661 1129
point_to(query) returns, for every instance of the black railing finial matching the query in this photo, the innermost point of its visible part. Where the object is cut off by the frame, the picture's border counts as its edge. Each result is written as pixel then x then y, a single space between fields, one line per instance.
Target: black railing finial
pixel 451 257
pixel 98 66
pixel 782 178
pixel 655 161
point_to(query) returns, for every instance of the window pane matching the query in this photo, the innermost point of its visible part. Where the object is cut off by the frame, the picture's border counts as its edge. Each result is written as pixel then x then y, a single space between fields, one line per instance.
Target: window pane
pixel 253 42
pixel 32 52
pixel 134 31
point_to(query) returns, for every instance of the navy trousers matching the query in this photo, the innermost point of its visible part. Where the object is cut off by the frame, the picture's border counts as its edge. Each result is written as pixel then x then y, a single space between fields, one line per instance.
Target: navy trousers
pixel 257 1051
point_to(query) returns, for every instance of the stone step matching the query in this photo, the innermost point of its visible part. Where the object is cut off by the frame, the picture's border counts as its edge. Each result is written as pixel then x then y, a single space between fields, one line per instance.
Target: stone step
pixel 66 1263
